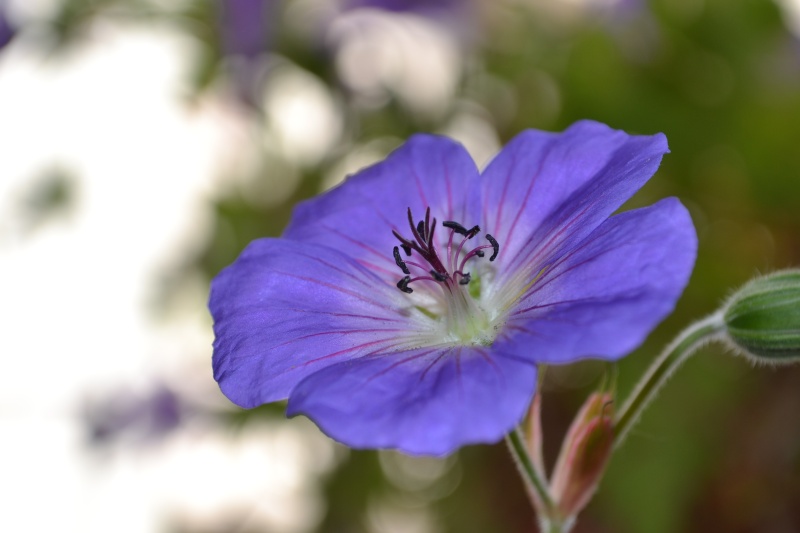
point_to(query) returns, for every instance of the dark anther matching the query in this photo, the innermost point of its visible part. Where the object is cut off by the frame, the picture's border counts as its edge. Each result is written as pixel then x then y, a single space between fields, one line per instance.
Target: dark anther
pixel 465 279
pixel 455 226
pixel 495 247
pixel 421 229
pixel 399 261
pixel 472 232
pixel 403 285
pixel 406 248
pixel 479 253
pixel 438 276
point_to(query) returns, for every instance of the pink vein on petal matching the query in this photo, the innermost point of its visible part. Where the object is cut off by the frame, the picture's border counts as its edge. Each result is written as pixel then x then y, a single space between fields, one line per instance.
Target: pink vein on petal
pixel 338 353
pixel 433 363
pixel 447 183
pixel 339 289
pixel 400 362
pixel 243 359
pixel 358 243
pixel 545 306
pixel 336 268
pixel 486 357
pixel 368 265
pixel 348 315
pixel 502 202
pixel 537 251
pixel 419 186
pixel 337 332
pixel 524 205
pixel 555 274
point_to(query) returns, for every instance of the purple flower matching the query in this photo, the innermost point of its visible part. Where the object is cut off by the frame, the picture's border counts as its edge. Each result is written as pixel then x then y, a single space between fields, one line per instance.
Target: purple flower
pixel 245 26
pixel 410 307
pixel 7 31
pixel 434 8
pixel 141 416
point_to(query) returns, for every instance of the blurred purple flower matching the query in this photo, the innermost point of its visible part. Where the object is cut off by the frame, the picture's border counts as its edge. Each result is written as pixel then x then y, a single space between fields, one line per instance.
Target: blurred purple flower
pixel 7 31
pixel 436 7
pixel 391 331
pixel 458 17
pixel 146 416
pixel 247 27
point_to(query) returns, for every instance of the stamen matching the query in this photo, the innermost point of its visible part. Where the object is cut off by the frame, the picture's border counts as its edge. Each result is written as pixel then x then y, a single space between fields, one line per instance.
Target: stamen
pixel 495 247
pixel 405 243
pixel 428 224
pixel 438 276
pixel 476 252
pixel 455 226
pixel 424 244
pixel 414 264
pixel 460 246
pixel 414 229
pixel 431 230
pixel 399 261
pixel 403 285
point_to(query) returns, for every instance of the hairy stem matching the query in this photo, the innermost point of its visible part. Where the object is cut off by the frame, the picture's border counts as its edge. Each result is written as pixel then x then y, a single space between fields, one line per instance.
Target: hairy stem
pixel 684 345
pixel 535 483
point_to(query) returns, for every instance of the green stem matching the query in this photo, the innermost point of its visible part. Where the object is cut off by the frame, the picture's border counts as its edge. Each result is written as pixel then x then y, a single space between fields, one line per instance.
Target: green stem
pixel 662 368
pixel 534 482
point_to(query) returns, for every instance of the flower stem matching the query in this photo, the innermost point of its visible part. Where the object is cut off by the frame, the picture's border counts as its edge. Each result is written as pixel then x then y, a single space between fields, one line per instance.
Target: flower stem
pixel 534 482
pixel 684 345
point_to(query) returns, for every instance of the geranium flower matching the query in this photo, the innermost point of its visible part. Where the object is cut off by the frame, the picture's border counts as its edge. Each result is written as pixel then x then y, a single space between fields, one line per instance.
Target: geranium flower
pixel 410 306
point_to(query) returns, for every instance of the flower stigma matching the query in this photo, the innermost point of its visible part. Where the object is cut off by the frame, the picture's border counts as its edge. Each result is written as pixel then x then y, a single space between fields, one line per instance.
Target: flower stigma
pixel 459 311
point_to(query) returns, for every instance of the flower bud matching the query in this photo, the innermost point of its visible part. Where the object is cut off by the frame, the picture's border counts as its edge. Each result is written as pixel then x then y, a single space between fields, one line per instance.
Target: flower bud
pixel 762 319
pixel 584 455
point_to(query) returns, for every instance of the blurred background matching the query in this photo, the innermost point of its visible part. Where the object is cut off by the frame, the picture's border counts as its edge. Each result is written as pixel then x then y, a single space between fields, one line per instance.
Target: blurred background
pixel 144 143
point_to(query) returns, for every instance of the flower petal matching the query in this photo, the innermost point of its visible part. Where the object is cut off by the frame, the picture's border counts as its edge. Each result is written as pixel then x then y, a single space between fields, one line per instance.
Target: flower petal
pixel 547 190
pixel 424 401
pixel 359 215
pixel 285 309
pixel 603 297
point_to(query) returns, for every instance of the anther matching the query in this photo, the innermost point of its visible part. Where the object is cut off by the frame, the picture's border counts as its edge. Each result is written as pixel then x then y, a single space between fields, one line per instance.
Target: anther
pixel 399 261
pixel 438 276
pixel 403 285
pixel 407 249
pixel 455 226
pixel 479 253
pixel 473 231
pixel 421 230
pixel 495 247
pixel 465 279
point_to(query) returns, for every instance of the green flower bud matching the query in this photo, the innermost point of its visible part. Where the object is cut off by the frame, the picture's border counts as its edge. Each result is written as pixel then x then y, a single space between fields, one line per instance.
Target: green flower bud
pixel 762 318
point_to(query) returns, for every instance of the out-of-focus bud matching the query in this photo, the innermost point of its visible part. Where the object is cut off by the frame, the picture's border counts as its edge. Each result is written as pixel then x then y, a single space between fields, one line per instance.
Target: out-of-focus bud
pixel 584 455
pixel 762 319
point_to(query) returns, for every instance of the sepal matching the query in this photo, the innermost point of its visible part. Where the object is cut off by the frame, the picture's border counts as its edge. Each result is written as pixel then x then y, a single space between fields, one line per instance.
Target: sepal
pixel 762 319
pixel 584 455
